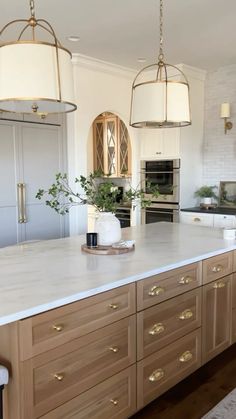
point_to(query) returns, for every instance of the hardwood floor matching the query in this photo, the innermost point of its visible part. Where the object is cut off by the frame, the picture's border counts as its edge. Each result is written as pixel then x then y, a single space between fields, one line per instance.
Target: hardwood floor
pixel 197 394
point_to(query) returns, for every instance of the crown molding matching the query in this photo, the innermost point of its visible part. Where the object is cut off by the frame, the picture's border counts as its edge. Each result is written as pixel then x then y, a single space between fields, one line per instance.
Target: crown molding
pixel 194 72
pixel 103 66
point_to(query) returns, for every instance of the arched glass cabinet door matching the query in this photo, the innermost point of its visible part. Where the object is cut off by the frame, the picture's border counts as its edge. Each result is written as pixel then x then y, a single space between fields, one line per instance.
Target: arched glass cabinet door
pixel 112 152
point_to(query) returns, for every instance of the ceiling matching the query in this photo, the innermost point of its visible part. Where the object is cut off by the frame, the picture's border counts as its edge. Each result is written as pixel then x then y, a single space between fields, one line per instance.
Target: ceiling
pixel 200 33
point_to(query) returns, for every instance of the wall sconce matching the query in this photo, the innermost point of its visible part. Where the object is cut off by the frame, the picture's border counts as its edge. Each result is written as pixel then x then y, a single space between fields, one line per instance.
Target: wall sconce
pixel 225 113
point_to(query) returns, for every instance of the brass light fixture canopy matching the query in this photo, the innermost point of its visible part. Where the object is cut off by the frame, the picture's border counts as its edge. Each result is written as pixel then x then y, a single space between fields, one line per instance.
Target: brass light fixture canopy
pixel 160 94
pixel 35 76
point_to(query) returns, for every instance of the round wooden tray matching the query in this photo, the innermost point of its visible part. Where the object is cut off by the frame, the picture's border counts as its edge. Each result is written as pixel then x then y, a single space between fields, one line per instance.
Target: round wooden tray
pixel 106 250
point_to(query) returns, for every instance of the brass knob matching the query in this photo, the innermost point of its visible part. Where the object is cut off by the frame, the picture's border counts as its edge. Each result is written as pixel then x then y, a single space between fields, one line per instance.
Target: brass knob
pixel 156 329
pixel 217 268
pixel 114 349
pixel 185 280
pixel 219 285
pixel 186 314
pixel 156 375
pixel 186 356
pixel 114 401
pixel 113 306
pixel 155 291
pixel 59 376
pixel 58 327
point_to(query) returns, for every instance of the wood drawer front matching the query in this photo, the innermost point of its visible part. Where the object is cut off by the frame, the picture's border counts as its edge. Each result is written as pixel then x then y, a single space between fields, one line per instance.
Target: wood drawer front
pixel 57 376
pixel 113 398
pixel 163 286
pixel 233 336
pixel 162 324
pixel 217 267
pixel 167 367
pixel 234 290
pixel 56 327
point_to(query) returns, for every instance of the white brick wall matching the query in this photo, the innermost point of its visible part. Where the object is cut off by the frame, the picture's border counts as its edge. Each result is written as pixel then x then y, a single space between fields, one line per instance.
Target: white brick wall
pixel 219 150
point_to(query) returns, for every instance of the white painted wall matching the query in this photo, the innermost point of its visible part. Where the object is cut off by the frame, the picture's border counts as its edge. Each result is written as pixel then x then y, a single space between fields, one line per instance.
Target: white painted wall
pixel 99 87
pixel 219 148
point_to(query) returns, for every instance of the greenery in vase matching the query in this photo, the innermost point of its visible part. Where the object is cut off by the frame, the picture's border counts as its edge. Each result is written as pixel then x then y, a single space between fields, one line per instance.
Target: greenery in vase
pixel 97 191
pixel 206 192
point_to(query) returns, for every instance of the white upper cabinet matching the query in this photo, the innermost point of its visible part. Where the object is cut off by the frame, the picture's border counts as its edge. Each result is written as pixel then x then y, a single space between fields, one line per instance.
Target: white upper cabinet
pixel 160 143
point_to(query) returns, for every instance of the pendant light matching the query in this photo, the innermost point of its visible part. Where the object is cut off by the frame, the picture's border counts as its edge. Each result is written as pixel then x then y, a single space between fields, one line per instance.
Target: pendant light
pixel 160 94
pixel 35 76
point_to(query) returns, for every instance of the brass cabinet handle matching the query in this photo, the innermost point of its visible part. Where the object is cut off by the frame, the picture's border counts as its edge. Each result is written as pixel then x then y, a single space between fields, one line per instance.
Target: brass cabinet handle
pixel 114 349
pixel 186 314
pixel 59 376
pixel 58 327
pixel 196 219
pixel 156 375
pixel 156 329
pixel 114 401
pixel 219 285
pixel 217 268
pixel 185 280
pixel 113 306
pixel 155 291
pixel 186 356
pixel 21 203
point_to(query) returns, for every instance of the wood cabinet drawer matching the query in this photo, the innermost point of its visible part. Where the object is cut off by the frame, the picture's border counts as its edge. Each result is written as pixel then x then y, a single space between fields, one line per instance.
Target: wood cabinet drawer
pixel 217 267
pixel 216 317
pixel 160 371
pixel 56 376
pixel 162 324
pixel 48 330
pixel 234 290
pixel 113 398
pixel 163 286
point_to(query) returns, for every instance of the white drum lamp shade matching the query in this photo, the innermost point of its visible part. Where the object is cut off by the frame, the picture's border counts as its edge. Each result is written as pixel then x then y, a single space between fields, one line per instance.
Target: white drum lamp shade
pixel 35 76
pixel 160 103
pixel 160 100
pixel 29 76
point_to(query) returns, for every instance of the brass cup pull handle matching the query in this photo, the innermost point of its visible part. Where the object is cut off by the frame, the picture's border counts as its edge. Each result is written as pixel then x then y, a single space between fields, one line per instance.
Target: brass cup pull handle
pixel 186 314
pixel 219 285
pixel 217 268
pixel 59 376
pixel 156 329
pixel 155 291
pixel 185 280
pixel 114 306
pixel 114 349
pixel 114 402
pixel 58 327
pixel 186 356
pixel 156 375
pixel 196 219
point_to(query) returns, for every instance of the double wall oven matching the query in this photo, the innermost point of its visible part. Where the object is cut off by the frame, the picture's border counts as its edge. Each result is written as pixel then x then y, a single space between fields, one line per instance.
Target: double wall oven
pixel 165 175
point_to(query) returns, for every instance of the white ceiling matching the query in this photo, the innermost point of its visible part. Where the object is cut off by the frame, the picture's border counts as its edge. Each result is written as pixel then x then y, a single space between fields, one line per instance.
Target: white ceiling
pixel 201 33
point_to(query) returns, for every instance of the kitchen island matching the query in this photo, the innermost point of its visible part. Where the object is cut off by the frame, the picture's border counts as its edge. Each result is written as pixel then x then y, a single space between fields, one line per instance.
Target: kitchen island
pixel 69 320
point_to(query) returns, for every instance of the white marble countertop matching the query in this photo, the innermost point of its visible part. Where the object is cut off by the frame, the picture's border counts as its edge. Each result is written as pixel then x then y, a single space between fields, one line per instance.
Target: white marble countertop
pixel 36 277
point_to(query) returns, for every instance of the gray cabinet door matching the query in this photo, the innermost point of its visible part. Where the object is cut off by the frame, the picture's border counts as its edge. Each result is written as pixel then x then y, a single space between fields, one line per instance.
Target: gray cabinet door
pixel 30 154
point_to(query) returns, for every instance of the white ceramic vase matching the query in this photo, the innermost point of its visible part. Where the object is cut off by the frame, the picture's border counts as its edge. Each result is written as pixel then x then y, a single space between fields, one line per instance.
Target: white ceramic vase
pixel 206 201
pixel 108 228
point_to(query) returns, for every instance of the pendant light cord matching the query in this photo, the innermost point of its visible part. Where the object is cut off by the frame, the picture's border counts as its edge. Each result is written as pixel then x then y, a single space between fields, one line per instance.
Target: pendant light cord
pixel 32 8
pixel 161 55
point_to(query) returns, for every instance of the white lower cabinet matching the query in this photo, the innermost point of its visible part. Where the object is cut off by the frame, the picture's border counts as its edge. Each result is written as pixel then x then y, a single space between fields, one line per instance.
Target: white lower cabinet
pixel 224 221
pixel 197 218
pixel 208 220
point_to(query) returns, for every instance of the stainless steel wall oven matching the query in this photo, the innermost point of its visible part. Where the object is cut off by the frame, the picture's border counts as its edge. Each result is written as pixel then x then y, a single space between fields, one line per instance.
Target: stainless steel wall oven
pixel 165 174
